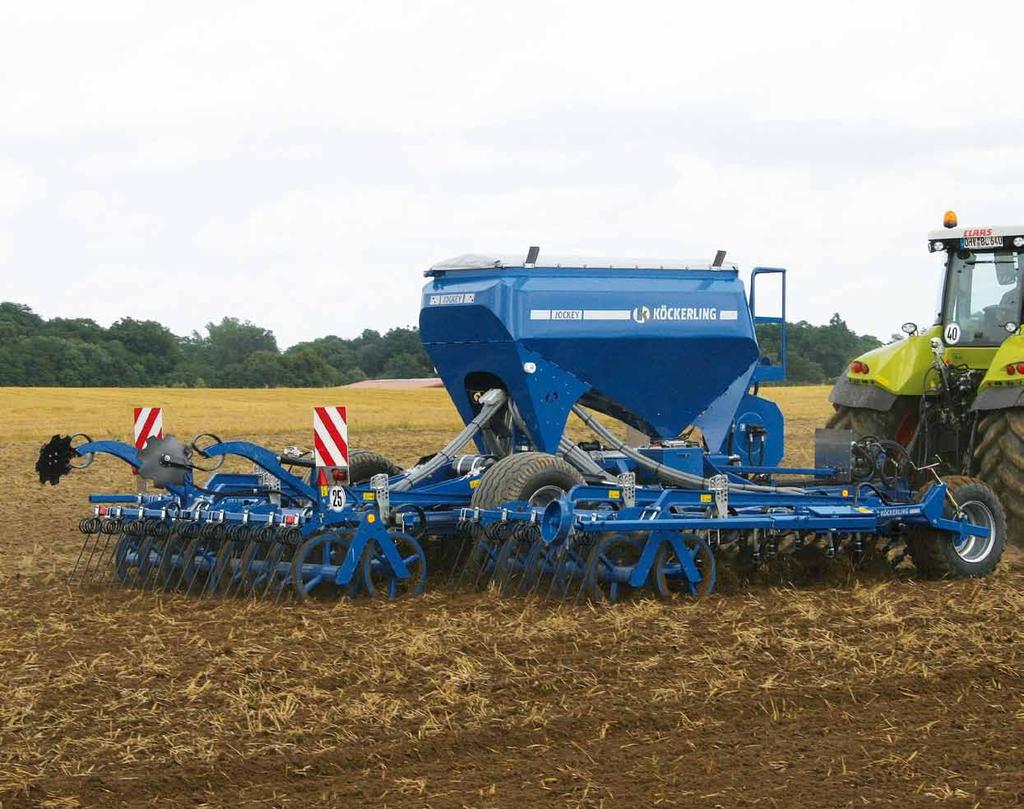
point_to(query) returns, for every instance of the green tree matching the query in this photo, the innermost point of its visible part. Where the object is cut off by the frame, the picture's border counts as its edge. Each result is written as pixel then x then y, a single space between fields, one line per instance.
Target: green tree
pixel 83 329
pixel 307 369
pixel 18 320
pixel 261 369
pixel 156 347
pixel 232 340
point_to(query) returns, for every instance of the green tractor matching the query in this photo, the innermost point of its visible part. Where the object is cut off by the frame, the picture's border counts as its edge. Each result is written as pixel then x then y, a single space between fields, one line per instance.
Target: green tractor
pixel 953 394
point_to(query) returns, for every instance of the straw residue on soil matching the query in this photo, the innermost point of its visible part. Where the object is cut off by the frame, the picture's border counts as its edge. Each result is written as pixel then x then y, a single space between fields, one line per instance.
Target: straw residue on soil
pixel 883 691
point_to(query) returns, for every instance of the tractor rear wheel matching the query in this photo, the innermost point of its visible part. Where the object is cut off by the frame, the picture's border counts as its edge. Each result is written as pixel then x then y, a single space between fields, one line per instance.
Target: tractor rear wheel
pixel 999 461
pixel 363 464
pixel 897 424
pixel 937 556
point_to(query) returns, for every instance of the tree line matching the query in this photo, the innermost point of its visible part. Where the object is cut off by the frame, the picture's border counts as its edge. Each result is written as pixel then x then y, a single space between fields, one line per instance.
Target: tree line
pixel 78 352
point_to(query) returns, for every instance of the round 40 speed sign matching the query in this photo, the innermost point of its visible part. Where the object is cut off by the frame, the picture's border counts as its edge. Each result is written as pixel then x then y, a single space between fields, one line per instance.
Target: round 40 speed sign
pixel 952 334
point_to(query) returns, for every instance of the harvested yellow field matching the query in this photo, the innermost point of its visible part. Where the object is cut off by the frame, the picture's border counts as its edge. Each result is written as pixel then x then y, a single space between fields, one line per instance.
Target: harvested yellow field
pixel 868 689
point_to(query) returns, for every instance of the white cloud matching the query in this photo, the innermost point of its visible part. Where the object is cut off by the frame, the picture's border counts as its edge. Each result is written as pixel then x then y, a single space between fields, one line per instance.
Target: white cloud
pixel 302 165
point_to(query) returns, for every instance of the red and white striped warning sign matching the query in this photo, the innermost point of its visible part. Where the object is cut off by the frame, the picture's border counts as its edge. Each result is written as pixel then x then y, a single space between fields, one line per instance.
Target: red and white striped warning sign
pixel 330 436
pixel 149 423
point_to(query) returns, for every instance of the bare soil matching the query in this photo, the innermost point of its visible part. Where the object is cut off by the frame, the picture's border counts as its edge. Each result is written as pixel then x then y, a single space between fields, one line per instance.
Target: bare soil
pixel 862 689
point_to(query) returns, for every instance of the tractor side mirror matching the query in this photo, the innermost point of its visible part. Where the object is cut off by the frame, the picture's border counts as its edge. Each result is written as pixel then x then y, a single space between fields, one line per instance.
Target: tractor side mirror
pixel 909 329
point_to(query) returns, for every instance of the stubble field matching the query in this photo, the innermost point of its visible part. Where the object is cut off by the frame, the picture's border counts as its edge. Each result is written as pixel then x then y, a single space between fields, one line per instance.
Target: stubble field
pixel 867 689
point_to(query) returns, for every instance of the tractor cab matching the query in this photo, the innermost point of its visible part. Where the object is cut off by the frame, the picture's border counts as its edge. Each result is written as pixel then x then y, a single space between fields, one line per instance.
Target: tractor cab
pixel 981 294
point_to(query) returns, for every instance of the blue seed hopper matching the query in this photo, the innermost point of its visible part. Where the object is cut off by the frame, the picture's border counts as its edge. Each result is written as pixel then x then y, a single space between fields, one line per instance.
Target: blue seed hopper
pixel 659 345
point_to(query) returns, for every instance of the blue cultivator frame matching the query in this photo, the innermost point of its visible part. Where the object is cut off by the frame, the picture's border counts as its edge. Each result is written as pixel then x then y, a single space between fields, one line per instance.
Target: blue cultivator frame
pixel 237 534
pixel 669 539
pixel 667 348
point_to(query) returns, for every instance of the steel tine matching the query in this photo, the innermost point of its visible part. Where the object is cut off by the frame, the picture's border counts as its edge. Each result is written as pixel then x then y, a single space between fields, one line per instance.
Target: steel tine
pixel 246 573
pixel 235 585
pixel 557 569
pixel 202 570
pixel 104 537
pixel 292 538
pixel 187 548
pixel 588 570
pixel 96 571
pixel 89 540
pixel 85 526
pixel 141 548
pixel 579 568
pixel 195 552
pixel 235 571
pixel 455 569
pixel 482 560
pixel 157 547
pixel 537 573
pixel 213 578
pixel 261 556
pixel 276 556
pixel 467 548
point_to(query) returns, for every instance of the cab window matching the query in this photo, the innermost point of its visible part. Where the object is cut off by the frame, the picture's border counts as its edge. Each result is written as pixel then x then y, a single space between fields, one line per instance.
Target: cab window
pixel 982 296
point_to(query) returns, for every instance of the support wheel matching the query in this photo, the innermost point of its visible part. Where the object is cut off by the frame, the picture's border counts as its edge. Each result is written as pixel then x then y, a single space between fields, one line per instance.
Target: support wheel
pixel 380 579
pixel 937 554
pixel 999 461
pixel 315 568
pixel 669 578
pixel 610 565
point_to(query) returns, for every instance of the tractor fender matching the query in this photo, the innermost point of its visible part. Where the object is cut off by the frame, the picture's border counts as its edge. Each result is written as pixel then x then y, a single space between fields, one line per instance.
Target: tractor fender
pixel 867 396
pixel 999 398
pixel 1000 389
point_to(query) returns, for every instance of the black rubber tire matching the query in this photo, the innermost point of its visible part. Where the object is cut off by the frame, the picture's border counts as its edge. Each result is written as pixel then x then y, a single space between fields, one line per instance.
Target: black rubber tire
pixel 520 476
pixel 933 553
pixel 363 464
pixel 999 461
pixel 880 424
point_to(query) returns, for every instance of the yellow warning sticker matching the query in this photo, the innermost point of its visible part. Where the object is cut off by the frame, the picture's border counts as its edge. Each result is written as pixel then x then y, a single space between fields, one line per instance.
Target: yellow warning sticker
pixel 369 496
pixel 371 518
pixel 474 483
pixel 323 491
pixel 846 492
pixel 614 494
pixel 706 498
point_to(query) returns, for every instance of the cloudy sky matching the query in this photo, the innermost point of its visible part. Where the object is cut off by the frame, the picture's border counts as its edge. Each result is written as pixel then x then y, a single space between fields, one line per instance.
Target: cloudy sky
pixel 300 164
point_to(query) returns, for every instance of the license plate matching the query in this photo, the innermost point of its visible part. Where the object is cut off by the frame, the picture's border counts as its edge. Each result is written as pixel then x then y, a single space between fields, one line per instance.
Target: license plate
pixel 982 242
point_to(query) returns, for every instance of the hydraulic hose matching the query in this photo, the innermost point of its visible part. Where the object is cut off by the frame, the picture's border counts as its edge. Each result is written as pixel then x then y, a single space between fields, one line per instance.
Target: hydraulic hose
pixel 492 401
pixel 683 479
pixel 586 465
pixel 582 461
